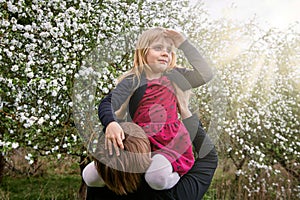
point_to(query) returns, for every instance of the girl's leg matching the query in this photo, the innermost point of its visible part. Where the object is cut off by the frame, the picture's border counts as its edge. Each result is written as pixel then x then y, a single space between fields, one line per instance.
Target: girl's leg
pixel 91 176
pixel 160 175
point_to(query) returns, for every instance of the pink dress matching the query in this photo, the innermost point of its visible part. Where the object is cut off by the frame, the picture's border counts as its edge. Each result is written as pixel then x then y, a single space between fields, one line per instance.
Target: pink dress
pixel 157 115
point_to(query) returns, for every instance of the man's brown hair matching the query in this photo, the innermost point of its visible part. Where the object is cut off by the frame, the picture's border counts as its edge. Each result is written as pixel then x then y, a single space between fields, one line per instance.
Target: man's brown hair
pixel 123 174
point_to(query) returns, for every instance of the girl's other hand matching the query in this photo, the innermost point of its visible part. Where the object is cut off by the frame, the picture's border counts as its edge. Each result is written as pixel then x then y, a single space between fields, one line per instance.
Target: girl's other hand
pixel 114 136
pixel 177 37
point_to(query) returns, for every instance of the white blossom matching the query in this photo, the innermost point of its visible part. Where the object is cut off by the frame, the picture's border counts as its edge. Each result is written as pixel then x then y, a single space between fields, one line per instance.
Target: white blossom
pixel 54 93
pixel 46 117
pixel 44 34
pixel 12 8
pixel 41 121
pixel 28 156
pixel 15 68
pixel 15 145
pixel 30 75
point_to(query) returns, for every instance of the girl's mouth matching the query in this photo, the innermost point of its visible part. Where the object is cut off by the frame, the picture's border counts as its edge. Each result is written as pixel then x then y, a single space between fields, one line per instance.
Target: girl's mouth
pixel 163 61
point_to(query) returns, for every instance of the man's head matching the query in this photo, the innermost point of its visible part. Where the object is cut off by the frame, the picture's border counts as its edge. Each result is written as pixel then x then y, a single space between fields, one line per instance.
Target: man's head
pixel 123 174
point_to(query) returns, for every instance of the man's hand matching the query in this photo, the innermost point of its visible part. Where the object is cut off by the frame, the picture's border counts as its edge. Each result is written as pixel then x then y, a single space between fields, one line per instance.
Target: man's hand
pixel 114 136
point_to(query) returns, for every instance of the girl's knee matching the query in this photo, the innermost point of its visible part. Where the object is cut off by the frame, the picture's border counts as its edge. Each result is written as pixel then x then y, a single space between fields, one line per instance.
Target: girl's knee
pixel 160 175
pixel 91 176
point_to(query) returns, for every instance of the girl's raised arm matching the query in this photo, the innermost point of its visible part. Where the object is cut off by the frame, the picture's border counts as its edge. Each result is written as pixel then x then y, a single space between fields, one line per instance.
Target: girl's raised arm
pixel 189 78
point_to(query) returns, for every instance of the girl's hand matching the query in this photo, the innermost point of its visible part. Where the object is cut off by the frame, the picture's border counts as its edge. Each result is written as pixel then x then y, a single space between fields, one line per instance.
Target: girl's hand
pixel 114 136
pixel 177 37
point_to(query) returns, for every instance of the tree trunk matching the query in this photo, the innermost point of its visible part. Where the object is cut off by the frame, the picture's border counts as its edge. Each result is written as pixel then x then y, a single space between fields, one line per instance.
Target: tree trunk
pixel 1 167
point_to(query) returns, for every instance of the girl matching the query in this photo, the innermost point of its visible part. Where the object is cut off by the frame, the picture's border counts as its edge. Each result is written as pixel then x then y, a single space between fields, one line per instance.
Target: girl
pixel 148 90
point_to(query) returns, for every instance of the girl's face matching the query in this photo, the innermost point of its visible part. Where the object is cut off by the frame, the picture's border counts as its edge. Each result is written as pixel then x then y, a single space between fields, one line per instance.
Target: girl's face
pixel 159 56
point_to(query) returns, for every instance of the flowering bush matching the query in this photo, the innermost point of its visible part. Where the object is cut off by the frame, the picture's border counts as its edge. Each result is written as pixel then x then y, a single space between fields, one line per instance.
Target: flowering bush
pixel 259 72
pixel 43 45
pixel 263 121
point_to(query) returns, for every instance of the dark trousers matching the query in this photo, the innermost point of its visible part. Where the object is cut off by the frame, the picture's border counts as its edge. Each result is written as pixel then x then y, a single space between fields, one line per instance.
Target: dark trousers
pixel 192 186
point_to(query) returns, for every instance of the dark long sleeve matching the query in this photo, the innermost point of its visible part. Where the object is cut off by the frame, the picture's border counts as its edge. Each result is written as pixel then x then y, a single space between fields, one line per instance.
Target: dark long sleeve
pixel 113 101
pixel 202 72
pixel 191 78
pixel 106 113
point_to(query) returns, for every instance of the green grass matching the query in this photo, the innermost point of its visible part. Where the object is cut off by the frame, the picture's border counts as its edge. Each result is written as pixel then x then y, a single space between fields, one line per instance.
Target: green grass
pixel 58 187
pixel 62 187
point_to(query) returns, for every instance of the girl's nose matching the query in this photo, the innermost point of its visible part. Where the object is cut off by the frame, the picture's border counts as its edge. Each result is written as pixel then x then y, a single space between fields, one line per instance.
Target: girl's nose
pixel 165 52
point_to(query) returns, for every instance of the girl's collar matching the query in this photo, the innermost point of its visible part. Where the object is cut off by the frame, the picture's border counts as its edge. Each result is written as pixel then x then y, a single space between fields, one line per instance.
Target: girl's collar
pixel 143 76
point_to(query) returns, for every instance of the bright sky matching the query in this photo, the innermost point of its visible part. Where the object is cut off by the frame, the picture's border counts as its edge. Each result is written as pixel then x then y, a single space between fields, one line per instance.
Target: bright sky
pixel 275 13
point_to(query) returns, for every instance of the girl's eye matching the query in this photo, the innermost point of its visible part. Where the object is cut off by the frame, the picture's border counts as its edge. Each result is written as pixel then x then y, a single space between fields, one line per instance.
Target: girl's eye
pixel 161 48
pixel 169 49
pixel 158 48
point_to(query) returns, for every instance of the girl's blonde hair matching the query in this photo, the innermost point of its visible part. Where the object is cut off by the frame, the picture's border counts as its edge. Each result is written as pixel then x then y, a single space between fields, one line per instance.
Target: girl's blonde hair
pixel 142 48
pixel 123 174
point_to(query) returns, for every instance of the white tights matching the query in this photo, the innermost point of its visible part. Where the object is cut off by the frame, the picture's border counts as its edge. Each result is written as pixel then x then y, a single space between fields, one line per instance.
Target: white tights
pixel 91 176
pixel 159 175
